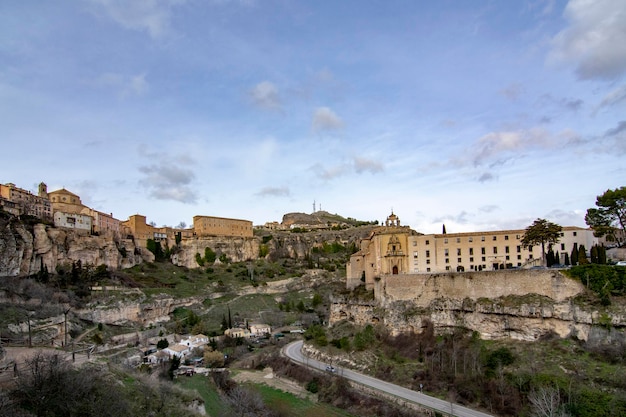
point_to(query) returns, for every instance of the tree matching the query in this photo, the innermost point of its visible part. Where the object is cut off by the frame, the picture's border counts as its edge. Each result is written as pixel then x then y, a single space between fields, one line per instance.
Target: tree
pixel 574 255
pixel 582 255
pixel 162 344
pixel 213 359
pixel 610 215
pixel 541 231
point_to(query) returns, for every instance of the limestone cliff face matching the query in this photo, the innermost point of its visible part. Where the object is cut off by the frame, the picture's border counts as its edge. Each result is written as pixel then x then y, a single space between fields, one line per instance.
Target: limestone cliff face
pixel 237 249
pixel 522 305
pixel 133 311
pixel 24 249
pixel 281 245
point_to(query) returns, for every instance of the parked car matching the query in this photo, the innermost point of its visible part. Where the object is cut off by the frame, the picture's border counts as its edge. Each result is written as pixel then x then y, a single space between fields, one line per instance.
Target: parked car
pixel 621 263
pixel 330 368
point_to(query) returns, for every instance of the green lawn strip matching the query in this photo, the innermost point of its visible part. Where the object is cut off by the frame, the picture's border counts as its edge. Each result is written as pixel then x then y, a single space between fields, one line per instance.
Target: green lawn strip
pixel 213 403
pixel 298 407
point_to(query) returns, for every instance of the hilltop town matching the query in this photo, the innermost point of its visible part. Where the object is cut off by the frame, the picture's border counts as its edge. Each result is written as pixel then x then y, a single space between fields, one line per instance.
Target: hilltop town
pixel 407 251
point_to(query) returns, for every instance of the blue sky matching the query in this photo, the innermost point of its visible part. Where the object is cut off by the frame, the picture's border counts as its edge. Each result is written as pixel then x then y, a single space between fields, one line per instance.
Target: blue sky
pixel 481 115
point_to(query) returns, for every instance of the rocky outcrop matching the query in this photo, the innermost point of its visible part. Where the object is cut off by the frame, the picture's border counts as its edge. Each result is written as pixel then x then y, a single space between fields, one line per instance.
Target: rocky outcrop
pixel 25 250
pixel 524 305
pixel 528 317
pixel 128 311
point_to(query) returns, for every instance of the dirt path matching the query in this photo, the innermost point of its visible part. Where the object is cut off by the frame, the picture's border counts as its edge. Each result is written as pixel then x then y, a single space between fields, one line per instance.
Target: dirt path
pixel 268 378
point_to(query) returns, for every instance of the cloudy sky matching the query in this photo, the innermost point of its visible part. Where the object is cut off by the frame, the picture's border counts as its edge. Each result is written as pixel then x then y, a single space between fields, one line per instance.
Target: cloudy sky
pixel 482 115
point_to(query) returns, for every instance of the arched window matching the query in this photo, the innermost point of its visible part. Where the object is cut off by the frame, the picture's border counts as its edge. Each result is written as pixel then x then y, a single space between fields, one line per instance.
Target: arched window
pixel 394 271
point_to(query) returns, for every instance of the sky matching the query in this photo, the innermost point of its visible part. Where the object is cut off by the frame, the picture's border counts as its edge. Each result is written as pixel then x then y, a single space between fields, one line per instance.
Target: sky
pixel 480 115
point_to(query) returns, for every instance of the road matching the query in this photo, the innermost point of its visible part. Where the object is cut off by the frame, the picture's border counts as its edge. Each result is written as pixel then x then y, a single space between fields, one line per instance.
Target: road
pixel 294 352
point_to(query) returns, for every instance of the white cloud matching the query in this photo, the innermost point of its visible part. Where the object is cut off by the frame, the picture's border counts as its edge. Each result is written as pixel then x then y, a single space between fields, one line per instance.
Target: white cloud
pixel 595 40
pixel 613 97
pixel 265 95
pixel 152 16
pixel 325 119
pixel 367 165
pixel 329 173
pixel 274 192
pixel 134 85
pixel 168 177
pixel 492 148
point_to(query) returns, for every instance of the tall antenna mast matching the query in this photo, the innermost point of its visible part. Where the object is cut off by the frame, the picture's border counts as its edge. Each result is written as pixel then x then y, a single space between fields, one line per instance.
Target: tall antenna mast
pixel 313 206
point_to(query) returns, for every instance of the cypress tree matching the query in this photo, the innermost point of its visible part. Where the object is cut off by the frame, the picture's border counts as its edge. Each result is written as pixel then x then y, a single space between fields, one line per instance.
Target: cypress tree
pixel 574 255
pixel 567 258
pixel 594 254
pixel 602 255
pixel 582 255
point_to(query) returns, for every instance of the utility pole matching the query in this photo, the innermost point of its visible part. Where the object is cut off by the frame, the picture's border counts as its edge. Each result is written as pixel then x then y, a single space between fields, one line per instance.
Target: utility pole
pixel 65 333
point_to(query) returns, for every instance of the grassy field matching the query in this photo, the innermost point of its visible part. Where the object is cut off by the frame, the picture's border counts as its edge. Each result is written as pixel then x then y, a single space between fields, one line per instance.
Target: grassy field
pixel 204 386
pixel 291 405
pixel 277 400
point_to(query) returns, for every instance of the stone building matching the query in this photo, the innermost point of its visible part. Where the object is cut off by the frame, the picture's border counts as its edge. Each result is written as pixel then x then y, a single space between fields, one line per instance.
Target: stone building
pixel 18 201
pixel 65 201
pixel 220 226
pixel 393 249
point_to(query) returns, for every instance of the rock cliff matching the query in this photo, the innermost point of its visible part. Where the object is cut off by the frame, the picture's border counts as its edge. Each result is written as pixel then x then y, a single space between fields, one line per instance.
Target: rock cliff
pixel 525 306
pixel 24 249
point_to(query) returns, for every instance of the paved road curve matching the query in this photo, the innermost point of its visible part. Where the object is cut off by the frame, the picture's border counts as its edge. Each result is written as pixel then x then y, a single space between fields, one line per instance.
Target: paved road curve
pixel 294 352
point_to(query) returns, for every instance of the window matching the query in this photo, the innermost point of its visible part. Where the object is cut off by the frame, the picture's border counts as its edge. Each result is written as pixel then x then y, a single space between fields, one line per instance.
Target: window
pixel 458 240
pixel 482 238
pixel 458 251
pixel 471 259
pixel 445 241
pixel 574 233
pixel 562 246
pixel 506 237
pixel 518 237
pixel 427 261
pixel 427 253
pixel 483 259
pixel 447 260
pixel 495 250
pixel 459 260
pixel 470 239
pixel 445 252
pixel 519 249
pixel 427 242
pixel 447 268
pixel 427 269
pixel 415 255
pixel 482 251
pixel 507 257
pixel 414 243
pixel 471 251
pixel 495 238
pixel 519 256
pixel 506 249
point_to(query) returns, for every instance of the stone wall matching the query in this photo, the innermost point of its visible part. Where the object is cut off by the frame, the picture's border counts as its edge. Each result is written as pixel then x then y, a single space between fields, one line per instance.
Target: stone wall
pixel 423 288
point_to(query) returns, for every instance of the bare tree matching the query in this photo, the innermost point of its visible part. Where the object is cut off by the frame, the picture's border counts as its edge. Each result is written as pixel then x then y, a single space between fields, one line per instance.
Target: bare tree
pixel 246 403
pixel 546 402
